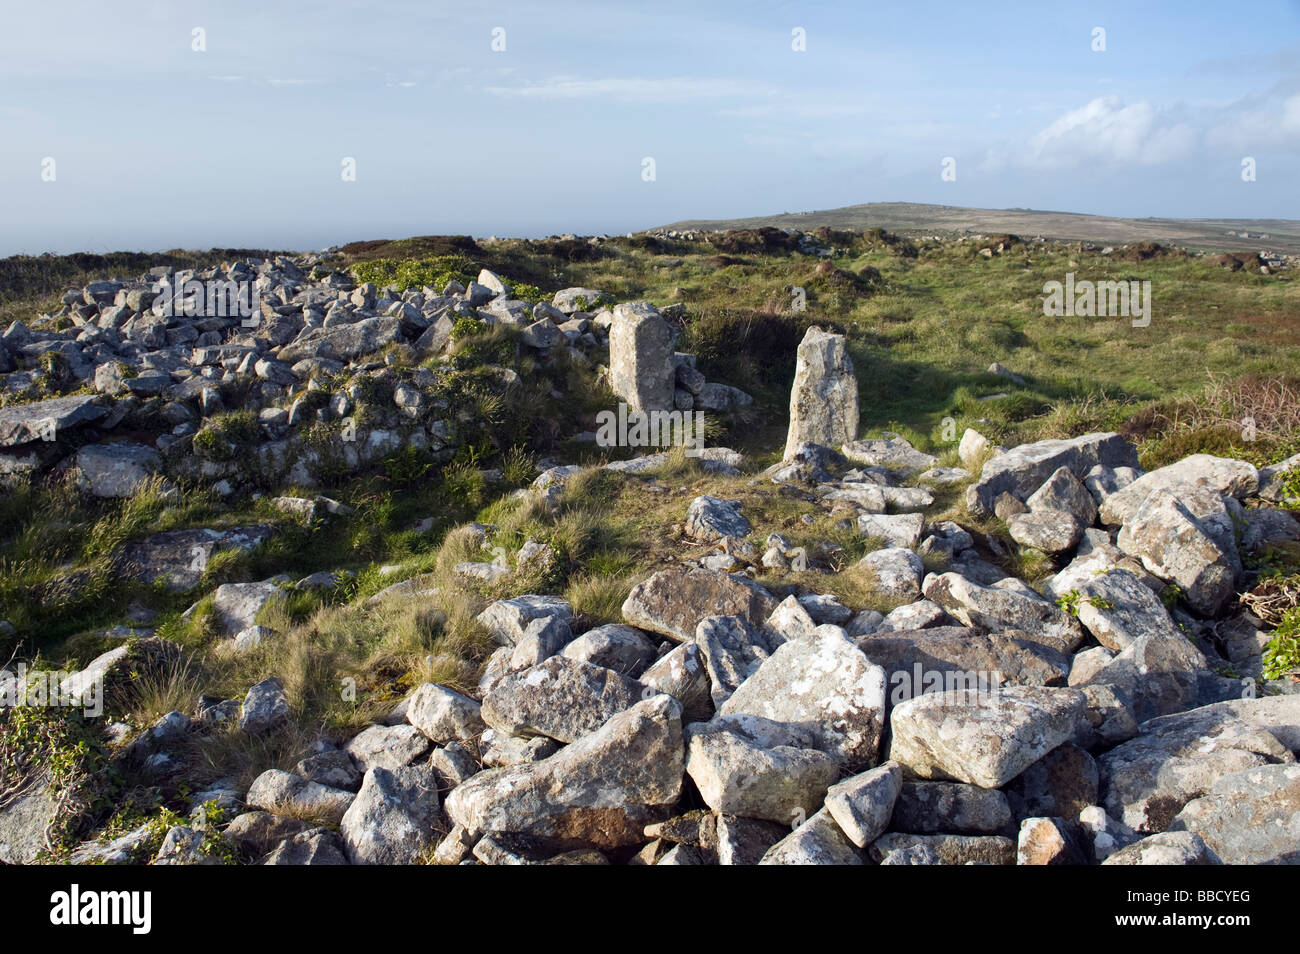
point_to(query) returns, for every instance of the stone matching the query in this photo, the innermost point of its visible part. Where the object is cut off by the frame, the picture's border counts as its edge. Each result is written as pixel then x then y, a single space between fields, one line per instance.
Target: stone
pixel 392 820
pixel 641 368
pixel 1060 784
pixel 282 793
pixel 931 808
pixel 1250 817
pixel 560 698
pixel 1147 781
pixel 1063 491
pixel 863 804
pixel 672 602
pixel 744 765
pixel 600 791
pixel 996 608
pixel 1022 470
pixel 1166 848
pixel 265 708
pixel 818 841
pixel 982 739
pixel 507 620
pixel 1051 841
pixel 1177 547
pixel 236 606
pixel 1052 531
pixel 824 683
pixel 624 649
pixel 824 395
pixel 894 530
pixel 709 519
pixel 744 841
pixel 317 846
pixel 116 470
pixel 387 746
pixel 895 454
pixel 945 658
pixel 1223 475
pixel 1118 610
pixel 444 715
pixel 682 674
pixel 46 420
pixel 895 572
pixel 948 849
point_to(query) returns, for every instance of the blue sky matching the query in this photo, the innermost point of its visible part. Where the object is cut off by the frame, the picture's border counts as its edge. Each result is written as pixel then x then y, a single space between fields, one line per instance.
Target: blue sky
pixel 157 146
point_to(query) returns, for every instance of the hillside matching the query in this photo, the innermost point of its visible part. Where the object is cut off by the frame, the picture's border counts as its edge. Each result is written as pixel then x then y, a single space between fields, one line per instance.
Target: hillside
pixel 918 219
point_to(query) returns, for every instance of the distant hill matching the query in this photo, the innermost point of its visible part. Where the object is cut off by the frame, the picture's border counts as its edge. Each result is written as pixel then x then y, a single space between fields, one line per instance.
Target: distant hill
pixel 915 218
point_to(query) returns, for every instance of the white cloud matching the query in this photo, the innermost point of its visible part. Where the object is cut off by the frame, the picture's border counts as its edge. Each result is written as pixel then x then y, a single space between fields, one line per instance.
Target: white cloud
pixel 1108 131
pixel 1273 125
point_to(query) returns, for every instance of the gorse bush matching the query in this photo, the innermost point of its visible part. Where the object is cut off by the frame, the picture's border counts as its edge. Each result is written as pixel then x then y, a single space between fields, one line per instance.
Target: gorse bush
pixel 434 273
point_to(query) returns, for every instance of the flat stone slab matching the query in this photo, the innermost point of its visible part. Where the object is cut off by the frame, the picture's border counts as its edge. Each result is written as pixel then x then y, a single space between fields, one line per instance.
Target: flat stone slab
pixel 44 420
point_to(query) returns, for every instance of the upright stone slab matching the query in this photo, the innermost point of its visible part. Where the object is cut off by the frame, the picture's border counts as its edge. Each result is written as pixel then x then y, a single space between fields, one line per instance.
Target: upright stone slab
pixel 824 396
pixel 641 370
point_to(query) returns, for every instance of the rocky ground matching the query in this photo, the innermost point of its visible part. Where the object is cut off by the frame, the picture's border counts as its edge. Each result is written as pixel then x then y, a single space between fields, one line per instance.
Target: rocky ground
pixel 862 653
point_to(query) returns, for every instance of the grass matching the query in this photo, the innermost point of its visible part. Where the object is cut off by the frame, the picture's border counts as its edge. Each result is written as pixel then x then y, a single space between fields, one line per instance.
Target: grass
pixel 1215 372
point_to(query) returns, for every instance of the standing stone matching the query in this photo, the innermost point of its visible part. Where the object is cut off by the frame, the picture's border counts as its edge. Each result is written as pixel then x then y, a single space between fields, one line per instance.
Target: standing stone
pixel 824 396
pixel 641 370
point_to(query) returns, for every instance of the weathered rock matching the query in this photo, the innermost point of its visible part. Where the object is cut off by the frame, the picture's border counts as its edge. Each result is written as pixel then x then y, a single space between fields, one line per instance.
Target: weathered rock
pixel 818 841
pixel 387 746
pixel 732 650
pixel 443 714
pixel 265 708
pixel 282 793
pixel 949 849
pixel 744 765
pixel 1060 784
pixel 1250 817
pixel 681 673
pixel 1051 841
pixel 116 470
pixel 1220 474
pixel 931 808
pixel 1052 531
pixel 46 420
pixel 623 649
pixel 317 846
pixel 1022 470
pixel 1118 609
pixel 236 606
pixel 1063 491
pixel 392 820
pixel 559 698
pixel 641 358
pixel 981 739
pixel 894 454
pixel 895 572
pixel 673 602
pixel 824 395
pixel 825 683
pixel 507 620
pixel 1166 848
pixel 600 792
pixel 863 805
pixel 997 608
pixel 744 841
pixel 1160 675
pixel 709 519
pixel 947 658
pixel 1147 781
pixel 896 530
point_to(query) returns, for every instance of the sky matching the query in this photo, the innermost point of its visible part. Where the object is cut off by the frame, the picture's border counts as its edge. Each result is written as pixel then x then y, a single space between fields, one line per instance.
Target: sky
pixel 157 124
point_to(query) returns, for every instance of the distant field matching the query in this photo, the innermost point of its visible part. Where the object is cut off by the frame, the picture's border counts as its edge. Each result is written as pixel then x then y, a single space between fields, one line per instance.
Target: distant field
pixel 914 218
